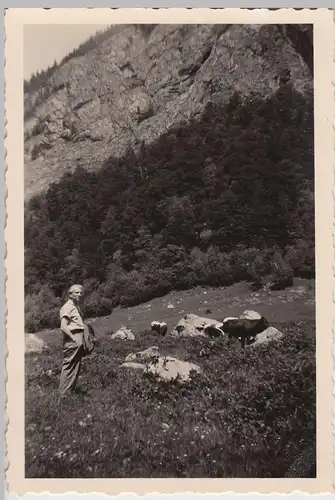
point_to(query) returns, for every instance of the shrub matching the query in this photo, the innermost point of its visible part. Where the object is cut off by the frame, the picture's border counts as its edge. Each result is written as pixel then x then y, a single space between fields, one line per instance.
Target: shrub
pixel 97 305
pixel 241 261
pixel 41 310
pixel 301 258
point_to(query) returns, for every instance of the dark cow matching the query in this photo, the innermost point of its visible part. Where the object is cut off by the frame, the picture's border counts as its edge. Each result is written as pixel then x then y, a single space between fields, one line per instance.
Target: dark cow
pixel 243 329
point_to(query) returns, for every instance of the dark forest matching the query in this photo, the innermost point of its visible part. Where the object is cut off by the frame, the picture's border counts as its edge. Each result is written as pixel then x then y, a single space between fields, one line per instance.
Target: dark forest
pixel 226 198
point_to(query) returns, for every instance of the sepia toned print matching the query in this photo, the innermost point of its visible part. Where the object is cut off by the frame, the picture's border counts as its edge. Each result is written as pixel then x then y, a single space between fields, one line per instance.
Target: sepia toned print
pixel 174 193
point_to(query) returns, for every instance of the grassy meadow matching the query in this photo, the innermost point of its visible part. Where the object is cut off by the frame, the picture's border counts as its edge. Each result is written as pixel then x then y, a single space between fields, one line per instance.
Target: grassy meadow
pixel 249 414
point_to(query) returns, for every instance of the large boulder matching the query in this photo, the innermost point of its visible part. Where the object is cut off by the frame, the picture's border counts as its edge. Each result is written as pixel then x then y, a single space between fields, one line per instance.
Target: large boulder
pixel 192 325
pixel 34 344
pixel 144 356
pixel 271 334
pixel 123 333
pixel 169 369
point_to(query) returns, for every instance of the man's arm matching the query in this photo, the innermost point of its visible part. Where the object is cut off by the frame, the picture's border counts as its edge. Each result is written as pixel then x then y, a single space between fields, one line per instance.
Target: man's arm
pixel 64 327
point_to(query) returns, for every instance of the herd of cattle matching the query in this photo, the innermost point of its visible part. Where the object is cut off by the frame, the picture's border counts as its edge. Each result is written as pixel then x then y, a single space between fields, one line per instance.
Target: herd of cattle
pixel 244 329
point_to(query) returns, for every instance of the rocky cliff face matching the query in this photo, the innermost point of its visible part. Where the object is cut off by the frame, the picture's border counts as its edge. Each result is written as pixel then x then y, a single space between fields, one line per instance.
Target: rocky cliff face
pixel 140 82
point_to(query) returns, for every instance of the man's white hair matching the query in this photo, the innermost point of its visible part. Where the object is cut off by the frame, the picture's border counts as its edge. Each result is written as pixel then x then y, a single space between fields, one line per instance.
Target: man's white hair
pixel 75 288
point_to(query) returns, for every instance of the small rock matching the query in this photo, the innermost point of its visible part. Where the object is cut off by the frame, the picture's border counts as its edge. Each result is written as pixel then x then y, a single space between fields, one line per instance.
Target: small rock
pixel 123 333
pixel 250 315
pixel 135 366
pixel 165 426
pixel 146 355
pixel 299 290
pixel 269 335
pixel 170 306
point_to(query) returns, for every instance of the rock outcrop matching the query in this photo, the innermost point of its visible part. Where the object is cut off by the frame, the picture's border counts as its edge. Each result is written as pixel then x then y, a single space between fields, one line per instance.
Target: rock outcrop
pixel 137 84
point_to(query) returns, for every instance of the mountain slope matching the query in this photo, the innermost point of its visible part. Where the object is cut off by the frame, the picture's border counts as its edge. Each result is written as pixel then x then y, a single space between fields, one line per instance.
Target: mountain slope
pixel 143 80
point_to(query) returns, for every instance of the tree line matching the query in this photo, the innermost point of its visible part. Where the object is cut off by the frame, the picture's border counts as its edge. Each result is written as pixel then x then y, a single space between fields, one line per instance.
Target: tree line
pixel 211 202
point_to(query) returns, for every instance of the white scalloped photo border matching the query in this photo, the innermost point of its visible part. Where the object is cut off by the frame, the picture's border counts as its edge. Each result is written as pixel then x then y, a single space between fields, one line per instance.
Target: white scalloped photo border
pixel 16 484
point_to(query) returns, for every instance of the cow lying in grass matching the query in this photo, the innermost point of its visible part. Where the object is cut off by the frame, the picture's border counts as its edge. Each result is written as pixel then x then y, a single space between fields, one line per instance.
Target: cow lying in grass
pixel 243 329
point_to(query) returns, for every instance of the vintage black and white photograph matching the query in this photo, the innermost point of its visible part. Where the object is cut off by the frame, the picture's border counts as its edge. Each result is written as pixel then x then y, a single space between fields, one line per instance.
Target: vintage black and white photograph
pixel 169 251
pixel 174 287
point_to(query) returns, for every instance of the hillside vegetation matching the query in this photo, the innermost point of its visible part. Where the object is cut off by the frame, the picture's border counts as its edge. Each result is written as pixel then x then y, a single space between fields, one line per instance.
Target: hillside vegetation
pixel 213 202
pixel 249 414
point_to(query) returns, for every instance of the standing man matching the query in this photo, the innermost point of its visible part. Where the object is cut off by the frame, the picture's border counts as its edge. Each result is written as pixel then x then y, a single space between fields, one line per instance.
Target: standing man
pixel 73 327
